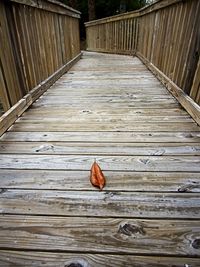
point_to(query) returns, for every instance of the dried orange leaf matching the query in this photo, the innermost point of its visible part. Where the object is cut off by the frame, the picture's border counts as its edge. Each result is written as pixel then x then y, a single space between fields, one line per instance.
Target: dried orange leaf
pixel 97 177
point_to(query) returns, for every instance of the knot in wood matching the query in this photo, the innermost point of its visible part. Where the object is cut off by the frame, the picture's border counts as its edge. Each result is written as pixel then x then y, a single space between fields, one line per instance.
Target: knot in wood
pixel 74 265
pixel 196 243
pixel 188 188
pixel 44 148
pixel 145 161
pixel 2 190
pixel 131 229
pixel 77 263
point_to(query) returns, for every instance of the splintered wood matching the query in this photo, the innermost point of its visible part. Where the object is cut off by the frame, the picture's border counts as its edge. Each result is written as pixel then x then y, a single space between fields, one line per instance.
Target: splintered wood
pixel 112 109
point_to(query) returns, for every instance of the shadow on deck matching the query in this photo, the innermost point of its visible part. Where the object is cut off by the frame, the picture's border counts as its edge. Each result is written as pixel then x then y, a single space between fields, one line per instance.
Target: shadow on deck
pixel 113 109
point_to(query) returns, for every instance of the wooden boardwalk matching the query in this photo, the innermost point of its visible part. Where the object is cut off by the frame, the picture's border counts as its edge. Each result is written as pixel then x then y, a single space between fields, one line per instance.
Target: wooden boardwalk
pixel 112 109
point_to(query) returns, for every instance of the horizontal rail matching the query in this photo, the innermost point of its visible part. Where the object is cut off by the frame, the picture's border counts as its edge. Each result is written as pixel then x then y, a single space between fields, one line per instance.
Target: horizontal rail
pixel 133 14
pixel 50 5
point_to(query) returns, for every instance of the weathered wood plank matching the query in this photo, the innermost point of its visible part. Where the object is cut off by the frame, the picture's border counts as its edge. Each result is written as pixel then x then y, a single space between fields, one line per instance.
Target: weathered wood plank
pixel 133 112
pixel 101 204
pixel 160 237
pixel 112 163
pixel 120 137
pixel 62 126
pixel 12 114
pixel 25 258
pixel 115 93
pixel 87 74
pixel 192 108
pixel 106 98
pixel 113 89
pixel 105 73
pixel 152 81
pixel 116 181
pixel 113 103
pixel 60 148
pixel 88 117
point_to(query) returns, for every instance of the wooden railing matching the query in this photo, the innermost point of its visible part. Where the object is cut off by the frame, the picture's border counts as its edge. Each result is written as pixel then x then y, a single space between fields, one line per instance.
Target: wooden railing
pixel 38 42
pixel 165 36
pixel 117 34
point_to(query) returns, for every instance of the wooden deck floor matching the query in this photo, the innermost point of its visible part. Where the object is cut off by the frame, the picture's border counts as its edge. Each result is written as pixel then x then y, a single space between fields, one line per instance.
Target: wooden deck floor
pixel 110 108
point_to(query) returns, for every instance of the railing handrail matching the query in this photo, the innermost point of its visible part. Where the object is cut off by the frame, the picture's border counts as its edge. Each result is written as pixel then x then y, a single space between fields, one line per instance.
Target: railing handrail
pixel 51 6
pixel 134 14
pixel 126 15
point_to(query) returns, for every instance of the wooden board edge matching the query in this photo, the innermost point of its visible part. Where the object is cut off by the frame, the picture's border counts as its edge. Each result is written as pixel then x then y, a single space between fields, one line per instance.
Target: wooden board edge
pixel 51 6
pixel 128 15
pixel 157 5
pixel 186 102
pixel 9 117
pixel 118 52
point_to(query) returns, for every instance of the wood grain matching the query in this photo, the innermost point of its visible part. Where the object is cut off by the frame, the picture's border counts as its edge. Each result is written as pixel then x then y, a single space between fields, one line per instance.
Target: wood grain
pixel 165 34
pixel 24 258
pixel 8 118
pixel 160 237
pixel 148 213
pixel 25 65
pixel 192 108
pixel 102 126
pixel 113 163
pixel 108 118
pixel 116 181
pixel 101 204
pixel 134 113
pixel 110 137
pixel 61 148
pixel 109 108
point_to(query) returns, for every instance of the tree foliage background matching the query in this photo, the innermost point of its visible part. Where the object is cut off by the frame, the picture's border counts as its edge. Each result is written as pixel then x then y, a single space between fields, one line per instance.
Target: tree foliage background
pixel 96 9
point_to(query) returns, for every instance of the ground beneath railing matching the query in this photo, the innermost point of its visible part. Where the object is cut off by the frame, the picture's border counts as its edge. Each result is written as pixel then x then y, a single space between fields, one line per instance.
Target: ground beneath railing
pixel 112 109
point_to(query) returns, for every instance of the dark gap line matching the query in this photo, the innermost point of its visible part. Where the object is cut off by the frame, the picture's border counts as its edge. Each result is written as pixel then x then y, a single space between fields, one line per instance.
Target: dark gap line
pixel 101 217
pixel 101 252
